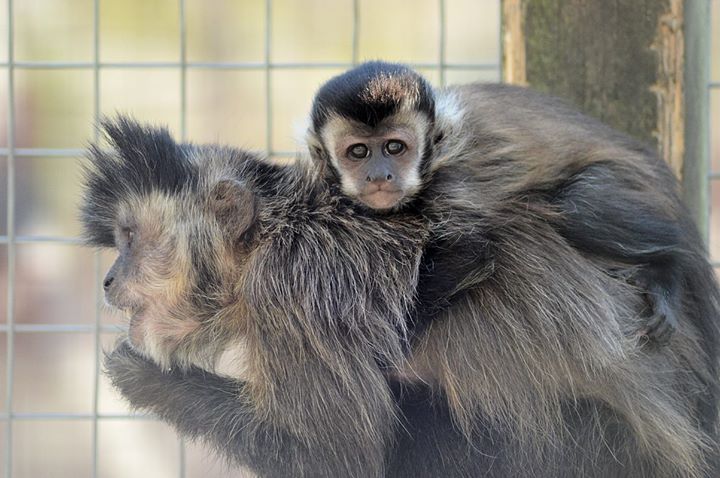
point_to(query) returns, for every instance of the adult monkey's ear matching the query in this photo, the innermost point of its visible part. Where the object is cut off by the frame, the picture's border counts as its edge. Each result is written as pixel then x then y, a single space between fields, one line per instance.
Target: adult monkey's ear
pixel 234 206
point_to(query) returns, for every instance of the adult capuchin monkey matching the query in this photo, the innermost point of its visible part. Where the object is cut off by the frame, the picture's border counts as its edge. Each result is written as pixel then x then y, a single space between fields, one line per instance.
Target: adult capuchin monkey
pixel 256 272
pixel 268 275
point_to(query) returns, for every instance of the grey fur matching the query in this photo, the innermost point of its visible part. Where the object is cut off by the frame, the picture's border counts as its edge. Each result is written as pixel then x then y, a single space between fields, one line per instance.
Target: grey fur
pixel 536 348
pixel 557 324
pixel 315 312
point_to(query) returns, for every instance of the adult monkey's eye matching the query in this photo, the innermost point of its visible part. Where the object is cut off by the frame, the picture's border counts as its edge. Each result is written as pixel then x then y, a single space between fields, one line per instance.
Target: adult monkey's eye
pixel 358 151
pixel 394 147
pixel 128 235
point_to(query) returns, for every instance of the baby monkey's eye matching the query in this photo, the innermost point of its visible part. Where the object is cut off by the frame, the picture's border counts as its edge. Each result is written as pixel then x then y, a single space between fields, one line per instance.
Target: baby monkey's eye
pixel 358 151
pixel 394 147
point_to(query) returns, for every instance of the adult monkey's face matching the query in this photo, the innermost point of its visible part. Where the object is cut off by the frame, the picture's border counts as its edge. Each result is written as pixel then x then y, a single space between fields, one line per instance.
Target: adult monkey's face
pixel 151 280
pixel 182 233
pixel 175 262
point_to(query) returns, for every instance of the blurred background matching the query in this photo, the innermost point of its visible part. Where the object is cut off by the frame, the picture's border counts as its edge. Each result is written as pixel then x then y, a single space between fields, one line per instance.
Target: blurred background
pixel 237 72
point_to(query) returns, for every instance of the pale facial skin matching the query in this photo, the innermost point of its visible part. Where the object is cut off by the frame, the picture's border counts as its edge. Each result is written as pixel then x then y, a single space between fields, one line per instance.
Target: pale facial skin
pixel 379 167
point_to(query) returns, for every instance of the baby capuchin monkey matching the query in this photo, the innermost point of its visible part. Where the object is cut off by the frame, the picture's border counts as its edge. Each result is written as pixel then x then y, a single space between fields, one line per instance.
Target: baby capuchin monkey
pixel 373 128
pixel 389 141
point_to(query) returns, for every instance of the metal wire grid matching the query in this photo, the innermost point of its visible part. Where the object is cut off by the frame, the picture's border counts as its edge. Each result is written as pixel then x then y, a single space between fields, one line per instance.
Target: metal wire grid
pixel 11 239
pixel 713 177
pixel 12 153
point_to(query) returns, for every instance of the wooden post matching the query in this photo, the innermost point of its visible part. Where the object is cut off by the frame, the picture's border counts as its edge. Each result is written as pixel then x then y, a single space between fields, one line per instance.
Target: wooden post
pixel 638 65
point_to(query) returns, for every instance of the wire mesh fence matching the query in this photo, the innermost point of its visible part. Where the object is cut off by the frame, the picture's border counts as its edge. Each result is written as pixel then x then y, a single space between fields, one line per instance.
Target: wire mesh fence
pixel 58 416
pixel 237 72
pixel 714 122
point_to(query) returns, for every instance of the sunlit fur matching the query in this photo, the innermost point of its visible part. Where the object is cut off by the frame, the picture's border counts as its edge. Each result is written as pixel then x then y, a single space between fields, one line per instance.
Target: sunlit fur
pixel 530 340
pixel 295 292
pixel 551 217
pixel 551 321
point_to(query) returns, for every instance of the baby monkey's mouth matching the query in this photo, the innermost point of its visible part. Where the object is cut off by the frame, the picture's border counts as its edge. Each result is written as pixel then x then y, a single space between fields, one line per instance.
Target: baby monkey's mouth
pixel 382 199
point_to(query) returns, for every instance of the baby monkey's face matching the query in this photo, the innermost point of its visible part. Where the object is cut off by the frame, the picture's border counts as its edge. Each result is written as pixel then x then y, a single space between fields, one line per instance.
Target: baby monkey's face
pixel 379 166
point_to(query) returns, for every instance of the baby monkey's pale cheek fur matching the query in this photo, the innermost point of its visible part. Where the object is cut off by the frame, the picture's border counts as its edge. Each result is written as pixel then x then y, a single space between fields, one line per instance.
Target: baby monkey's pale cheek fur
pixel 410 127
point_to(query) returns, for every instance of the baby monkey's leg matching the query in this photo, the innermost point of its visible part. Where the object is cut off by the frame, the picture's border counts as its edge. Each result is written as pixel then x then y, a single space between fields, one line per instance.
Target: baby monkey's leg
pixel 603 214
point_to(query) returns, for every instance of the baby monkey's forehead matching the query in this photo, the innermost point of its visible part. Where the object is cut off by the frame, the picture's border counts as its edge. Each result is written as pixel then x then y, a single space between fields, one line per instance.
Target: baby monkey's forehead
pixel 411 123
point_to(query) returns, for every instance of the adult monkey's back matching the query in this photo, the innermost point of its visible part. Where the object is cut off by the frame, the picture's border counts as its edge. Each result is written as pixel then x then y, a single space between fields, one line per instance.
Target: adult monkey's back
pixel 570 210
pixel 521 189
pixel 542 218
pixel 202 405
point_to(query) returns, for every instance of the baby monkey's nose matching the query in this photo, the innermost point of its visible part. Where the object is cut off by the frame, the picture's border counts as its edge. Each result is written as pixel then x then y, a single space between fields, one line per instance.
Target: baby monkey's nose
pixel 372 178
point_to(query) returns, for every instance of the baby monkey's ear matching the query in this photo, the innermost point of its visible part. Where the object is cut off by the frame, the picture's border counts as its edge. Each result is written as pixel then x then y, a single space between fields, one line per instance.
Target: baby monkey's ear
pixel 318 153
pixel 234 206
pixel 315 146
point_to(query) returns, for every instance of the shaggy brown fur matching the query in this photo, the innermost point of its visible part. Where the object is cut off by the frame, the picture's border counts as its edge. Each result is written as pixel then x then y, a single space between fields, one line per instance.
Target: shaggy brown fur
pixel 528 337
pixel 293 283
pixel 565 211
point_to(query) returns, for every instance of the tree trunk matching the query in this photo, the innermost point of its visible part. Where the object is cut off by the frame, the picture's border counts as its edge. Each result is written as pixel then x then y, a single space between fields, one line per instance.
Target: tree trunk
pixel 638 65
